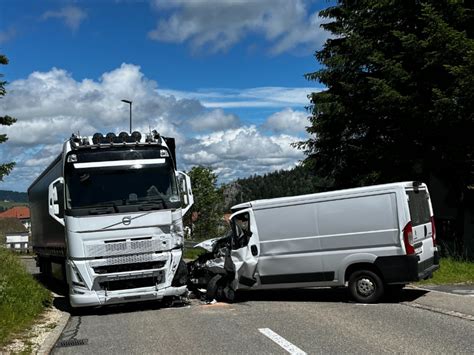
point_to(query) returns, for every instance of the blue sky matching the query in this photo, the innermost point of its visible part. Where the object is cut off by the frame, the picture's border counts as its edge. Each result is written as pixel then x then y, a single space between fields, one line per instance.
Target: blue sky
pixel 224 77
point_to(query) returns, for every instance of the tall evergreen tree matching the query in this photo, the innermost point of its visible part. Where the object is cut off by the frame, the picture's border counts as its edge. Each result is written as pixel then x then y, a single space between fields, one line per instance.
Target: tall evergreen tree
pixel 4 121
pixel 399 102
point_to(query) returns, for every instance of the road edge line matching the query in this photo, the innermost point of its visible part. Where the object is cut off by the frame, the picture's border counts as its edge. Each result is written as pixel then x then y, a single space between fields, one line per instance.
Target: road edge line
pixel 440 310
pixel 436 291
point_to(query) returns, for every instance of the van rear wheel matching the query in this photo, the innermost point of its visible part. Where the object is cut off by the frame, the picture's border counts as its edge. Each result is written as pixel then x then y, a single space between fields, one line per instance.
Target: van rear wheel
pixel 365 286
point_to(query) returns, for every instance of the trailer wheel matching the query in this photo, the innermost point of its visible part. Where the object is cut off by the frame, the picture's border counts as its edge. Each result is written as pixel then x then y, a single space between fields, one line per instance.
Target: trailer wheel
pixel 366 286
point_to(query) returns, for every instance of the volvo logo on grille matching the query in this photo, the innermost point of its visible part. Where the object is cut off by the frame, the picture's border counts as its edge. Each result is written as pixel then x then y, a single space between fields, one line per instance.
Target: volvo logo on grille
pixel 127 220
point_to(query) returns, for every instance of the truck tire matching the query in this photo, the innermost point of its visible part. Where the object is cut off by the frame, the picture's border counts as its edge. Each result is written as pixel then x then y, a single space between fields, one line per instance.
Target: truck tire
pixel 366 286
pixel 45 267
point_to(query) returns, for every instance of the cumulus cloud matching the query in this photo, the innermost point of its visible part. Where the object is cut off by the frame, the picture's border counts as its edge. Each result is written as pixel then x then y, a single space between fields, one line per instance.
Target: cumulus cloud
pixel 71 15
pixel 214 120
pixel 51 105
pixel 287 121
pixel 218 25
pixel 241 152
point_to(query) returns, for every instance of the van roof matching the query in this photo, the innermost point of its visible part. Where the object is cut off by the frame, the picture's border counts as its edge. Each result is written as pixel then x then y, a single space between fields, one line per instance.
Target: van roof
pixel 279 201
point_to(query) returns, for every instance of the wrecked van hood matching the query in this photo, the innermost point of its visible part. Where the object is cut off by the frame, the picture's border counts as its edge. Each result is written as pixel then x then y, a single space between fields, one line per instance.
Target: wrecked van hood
pixel 208 245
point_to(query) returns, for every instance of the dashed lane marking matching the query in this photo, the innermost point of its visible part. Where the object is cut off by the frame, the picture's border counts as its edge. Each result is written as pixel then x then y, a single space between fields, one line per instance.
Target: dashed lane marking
pixel 285 344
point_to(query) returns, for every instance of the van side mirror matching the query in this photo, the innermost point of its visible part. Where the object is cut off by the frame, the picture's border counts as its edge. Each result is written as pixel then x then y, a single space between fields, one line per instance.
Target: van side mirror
pixel 53 203
pixel 184 182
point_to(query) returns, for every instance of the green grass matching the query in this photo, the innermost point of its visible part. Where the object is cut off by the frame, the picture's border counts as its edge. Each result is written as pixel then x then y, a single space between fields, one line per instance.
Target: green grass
pixel 22 298
pixel 452 271
pixel 193 253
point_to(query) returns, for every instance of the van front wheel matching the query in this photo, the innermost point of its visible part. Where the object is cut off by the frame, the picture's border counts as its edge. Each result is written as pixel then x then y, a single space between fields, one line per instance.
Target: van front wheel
pixel 365 286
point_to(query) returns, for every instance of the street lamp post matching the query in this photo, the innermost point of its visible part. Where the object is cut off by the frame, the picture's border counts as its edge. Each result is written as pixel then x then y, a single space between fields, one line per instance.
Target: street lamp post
pixel 130 103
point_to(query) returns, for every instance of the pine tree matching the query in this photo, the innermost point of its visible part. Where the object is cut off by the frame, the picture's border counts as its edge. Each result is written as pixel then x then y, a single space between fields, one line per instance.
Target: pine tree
pixel 399 102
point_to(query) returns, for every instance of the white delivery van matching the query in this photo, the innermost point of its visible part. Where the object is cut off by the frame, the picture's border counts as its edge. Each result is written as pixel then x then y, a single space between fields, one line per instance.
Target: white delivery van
pixel 367 238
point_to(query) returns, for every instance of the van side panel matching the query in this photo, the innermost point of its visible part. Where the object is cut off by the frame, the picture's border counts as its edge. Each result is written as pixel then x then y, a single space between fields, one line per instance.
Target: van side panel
pixel 358 230
pixel 368 221
pixel 289 243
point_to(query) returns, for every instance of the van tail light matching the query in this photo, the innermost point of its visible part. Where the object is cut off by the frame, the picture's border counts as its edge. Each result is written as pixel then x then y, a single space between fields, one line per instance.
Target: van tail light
pixel 408 239
pixel 433 230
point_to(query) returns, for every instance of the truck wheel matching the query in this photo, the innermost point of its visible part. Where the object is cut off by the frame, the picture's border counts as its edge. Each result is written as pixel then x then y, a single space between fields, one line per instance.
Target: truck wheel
pixel 365 286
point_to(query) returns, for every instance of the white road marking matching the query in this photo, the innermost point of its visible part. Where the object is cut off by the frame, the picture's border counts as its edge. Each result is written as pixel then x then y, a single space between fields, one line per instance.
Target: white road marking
pixel 285 344
pixel 465 292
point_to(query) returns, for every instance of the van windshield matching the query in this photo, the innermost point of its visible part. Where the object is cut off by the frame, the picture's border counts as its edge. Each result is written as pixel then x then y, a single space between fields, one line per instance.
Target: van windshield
pixel 418 203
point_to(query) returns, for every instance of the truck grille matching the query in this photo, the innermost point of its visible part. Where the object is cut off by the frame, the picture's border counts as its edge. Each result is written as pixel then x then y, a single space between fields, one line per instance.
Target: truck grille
pixel 126 247
pixel 109 269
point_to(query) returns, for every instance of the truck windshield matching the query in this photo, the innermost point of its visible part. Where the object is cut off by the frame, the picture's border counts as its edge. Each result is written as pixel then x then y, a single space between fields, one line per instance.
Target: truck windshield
pixel 121 185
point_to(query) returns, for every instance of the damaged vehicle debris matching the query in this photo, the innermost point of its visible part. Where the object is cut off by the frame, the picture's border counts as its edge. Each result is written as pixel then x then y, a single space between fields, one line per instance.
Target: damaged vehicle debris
pixel 212 274
pixel 371 239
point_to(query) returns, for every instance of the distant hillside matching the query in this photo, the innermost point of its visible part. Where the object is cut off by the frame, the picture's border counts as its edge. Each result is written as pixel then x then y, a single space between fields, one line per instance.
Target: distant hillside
pixel 13 196
pixel 297 181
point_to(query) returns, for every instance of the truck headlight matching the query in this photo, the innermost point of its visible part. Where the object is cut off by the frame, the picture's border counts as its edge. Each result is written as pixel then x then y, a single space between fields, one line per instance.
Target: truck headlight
pixel 76 278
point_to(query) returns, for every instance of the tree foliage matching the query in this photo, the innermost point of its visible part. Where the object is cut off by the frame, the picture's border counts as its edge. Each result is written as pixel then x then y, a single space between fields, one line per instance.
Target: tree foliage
pixel 297 181
pixel 206 213
pixel 399 102
pixel 4 121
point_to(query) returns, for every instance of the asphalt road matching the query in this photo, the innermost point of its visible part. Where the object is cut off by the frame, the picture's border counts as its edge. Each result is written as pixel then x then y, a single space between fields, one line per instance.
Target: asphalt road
pixel 311 320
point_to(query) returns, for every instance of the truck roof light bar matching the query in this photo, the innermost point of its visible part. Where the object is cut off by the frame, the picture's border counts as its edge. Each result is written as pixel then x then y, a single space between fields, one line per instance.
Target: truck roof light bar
pixel 98 139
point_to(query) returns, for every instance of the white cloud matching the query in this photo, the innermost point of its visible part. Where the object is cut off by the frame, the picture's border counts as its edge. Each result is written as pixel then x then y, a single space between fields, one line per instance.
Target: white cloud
pixel 51 105
pixel 71 15
pixel 218 25
pixel 242 152
pixel 268 96
pixel 287 121
pixel 214 120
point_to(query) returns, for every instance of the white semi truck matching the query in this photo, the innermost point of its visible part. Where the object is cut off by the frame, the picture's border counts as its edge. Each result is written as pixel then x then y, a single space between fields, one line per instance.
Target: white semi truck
pixel 107 212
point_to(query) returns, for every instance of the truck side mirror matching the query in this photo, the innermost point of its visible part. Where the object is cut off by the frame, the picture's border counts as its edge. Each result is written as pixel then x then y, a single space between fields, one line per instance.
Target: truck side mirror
pixel 184 182
pixel 53 205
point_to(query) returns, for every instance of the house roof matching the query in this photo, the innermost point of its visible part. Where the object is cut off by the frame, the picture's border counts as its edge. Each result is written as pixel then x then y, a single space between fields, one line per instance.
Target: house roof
pixel 19 212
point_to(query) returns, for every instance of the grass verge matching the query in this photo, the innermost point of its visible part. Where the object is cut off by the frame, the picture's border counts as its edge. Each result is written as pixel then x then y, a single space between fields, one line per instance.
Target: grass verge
pixel 452 271
pixel 22 298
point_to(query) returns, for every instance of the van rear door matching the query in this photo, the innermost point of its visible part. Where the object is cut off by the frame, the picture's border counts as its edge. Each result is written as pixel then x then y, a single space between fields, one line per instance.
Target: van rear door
pixel 421 222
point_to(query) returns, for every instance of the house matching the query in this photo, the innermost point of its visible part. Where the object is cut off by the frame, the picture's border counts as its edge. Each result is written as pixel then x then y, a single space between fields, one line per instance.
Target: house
pixel 13 234
pixel 21 213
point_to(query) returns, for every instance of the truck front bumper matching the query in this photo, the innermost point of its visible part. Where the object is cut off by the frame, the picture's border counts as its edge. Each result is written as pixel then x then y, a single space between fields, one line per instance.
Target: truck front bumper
pixel 80 297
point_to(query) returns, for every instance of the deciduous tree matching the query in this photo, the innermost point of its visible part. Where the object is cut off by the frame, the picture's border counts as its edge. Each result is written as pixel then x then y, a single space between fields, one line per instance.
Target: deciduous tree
pixel 4 121
pixel 207 209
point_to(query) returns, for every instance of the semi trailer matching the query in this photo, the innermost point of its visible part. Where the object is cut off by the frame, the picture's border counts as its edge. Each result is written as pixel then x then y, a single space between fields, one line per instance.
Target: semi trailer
pixel 107 215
